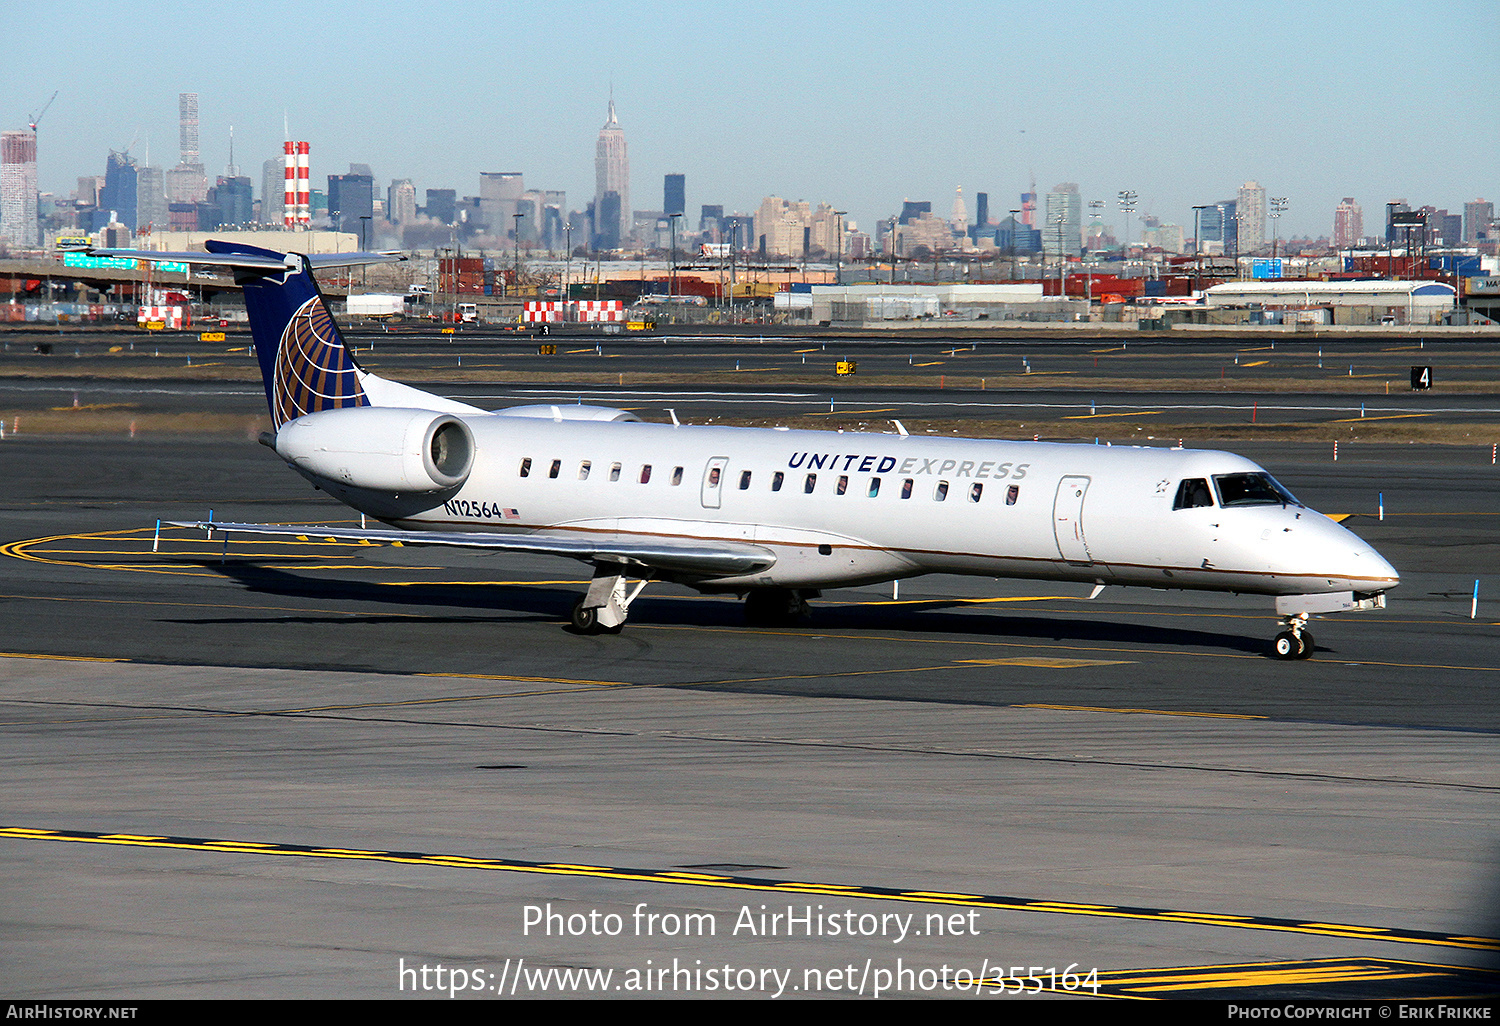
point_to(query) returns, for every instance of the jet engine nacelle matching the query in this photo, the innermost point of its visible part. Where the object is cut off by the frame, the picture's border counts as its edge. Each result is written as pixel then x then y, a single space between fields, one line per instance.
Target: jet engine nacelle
pixel 380 448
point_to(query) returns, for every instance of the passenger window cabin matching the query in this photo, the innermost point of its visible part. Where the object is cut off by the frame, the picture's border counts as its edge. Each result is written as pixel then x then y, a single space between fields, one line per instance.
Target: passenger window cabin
pixel 777 480
pixel 526 467
pixel 645 473
pixel 810 484
pixel 614 472
pixel 976 491
pixel 583 470
pixel 676 476
pixel 874 487
pixel 907 485
pixel 744 480
pixel 555 469
pixel 941 491
pixel 843 485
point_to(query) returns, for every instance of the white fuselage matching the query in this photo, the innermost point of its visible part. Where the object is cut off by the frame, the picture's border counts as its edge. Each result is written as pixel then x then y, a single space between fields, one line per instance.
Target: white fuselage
pixel 1051 511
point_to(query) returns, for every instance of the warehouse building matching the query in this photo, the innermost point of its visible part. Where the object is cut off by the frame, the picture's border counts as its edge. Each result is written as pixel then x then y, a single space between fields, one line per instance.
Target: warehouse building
pixel 866 303
pixel 1332 302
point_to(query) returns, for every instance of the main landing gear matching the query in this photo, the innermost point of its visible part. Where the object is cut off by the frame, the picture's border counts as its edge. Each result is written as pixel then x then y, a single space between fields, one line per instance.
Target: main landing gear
pixel 776 607
pixel 603 608
pixel 1295 642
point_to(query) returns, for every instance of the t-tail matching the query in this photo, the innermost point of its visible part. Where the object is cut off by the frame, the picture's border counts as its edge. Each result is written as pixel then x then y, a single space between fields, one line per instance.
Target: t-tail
pixel 304 363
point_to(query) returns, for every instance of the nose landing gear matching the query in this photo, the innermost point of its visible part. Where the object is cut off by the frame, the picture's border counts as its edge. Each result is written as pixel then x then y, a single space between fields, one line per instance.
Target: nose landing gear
pixel 1295 642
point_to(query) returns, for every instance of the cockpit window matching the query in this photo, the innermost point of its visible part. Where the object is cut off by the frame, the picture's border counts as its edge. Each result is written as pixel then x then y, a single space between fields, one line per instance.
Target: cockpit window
pixel 1192 493
pixel 1252 490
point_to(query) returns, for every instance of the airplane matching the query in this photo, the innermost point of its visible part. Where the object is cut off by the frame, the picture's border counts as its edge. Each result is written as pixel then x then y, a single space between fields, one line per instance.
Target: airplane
pixel 770 514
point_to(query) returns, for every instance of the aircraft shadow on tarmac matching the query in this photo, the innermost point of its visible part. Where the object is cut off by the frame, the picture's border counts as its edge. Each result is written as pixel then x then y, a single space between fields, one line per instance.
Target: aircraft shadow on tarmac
pixel 542 603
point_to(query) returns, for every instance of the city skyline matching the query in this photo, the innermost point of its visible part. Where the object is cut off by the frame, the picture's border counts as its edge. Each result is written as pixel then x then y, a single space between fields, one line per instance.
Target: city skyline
pixel 769 119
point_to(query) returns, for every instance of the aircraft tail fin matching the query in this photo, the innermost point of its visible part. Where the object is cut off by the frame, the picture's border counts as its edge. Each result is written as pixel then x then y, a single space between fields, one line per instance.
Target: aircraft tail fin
pixel 304 364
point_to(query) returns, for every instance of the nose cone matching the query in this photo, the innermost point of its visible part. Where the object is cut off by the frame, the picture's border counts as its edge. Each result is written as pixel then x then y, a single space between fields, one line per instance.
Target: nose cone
pixel 1348 561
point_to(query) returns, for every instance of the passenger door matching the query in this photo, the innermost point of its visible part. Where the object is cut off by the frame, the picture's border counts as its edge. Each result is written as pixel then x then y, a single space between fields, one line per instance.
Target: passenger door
pixel 713 482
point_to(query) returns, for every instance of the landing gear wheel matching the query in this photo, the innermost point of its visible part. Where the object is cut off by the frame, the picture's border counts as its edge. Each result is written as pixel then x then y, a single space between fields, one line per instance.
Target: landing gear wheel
pixel 1306 651
pixel 586 621
pixel 1287 646
pixel 774 607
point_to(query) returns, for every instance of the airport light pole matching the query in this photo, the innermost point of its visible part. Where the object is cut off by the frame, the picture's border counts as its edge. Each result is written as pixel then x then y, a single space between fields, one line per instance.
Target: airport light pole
pixel 1014 224
pixel 672 256
pixel 838 274
pixel 892 253
pixel 567 260
pixel 1198 246
pixel 364 245
pixel 517 230
pixel 734 243
pixel 1059 221
pixel 1127 204
pixel 1278 207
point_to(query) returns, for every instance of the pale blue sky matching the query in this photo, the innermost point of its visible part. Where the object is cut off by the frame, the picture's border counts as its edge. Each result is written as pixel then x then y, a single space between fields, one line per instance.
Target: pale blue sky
pixel 858 104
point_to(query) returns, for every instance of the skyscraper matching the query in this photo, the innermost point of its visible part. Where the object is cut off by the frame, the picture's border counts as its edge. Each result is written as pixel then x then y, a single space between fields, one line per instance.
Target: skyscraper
pixel 1394 234
pixel 500 195
pixel 187 182
pixel 1477 218
pixel 611 175
pixel 1250 205
pixel 272 190
pixel 18 223
pixel 119 192
pixel 1348 224
pixel 150 199
pixel 1062 235
pixel 958 218
pixel 442 205
pixel 351 199
pixel 674 195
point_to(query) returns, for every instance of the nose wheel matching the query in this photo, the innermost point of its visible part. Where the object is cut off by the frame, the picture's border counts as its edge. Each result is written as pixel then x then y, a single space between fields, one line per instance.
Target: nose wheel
pixel 1296 642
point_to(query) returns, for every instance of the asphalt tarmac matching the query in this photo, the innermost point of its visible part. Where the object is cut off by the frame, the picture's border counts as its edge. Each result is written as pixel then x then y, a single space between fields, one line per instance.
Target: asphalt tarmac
pixel 298 769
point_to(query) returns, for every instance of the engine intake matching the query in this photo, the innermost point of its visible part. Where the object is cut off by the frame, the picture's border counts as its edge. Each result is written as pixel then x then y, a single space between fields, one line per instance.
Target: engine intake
pixel 380 448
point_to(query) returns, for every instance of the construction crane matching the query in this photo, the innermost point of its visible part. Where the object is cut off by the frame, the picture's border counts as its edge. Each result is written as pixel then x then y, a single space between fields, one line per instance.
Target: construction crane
pixel 36 118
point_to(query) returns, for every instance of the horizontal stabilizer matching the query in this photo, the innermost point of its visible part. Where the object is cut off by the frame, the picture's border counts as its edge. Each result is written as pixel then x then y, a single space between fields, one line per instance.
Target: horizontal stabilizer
pixel 705 559
pixel 249 261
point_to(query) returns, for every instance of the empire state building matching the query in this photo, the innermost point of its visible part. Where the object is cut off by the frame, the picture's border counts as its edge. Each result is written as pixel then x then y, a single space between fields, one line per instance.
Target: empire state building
pixel 612 214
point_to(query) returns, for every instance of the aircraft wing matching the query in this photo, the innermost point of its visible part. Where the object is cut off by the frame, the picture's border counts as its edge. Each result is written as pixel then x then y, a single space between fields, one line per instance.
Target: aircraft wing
pixel 706 559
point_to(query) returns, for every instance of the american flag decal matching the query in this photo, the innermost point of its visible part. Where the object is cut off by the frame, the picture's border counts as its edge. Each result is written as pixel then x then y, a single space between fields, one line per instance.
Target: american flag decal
pixel 511 514
pixel 313 370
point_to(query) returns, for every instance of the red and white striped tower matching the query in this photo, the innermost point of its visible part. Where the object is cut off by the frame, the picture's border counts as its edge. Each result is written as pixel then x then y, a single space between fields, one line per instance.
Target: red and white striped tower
pixel 304 186
pixel 289 194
